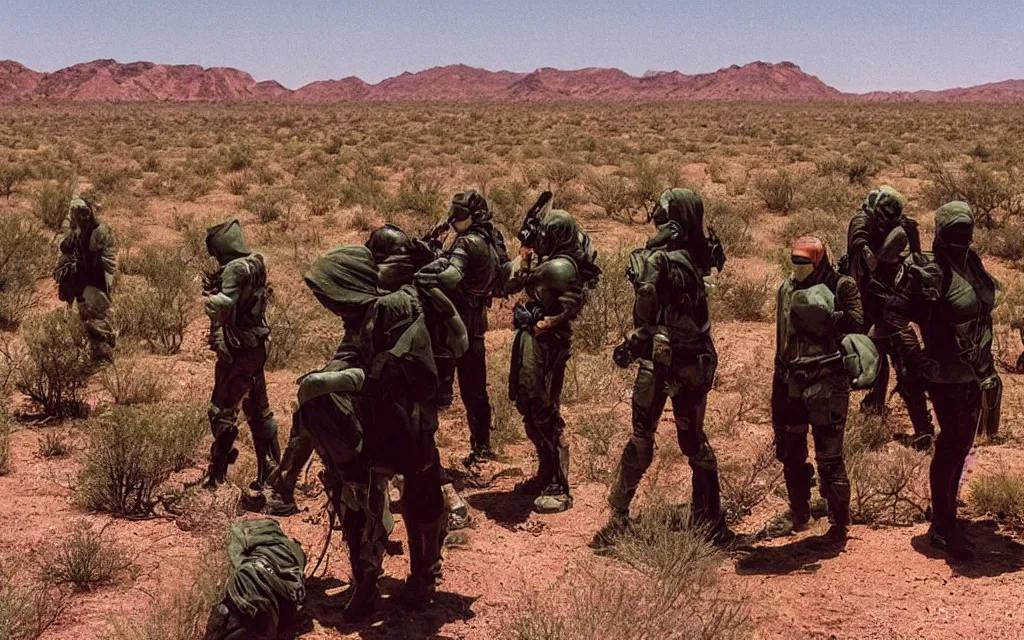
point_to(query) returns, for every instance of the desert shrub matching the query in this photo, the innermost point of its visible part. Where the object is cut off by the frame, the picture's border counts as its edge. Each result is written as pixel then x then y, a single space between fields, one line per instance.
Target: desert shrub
pixel 320 189
pixel 745 300
pixel 237 184
pixel 50 203
pixel 131 452
pixel 508 202
pixel 181 613
pixel 419 193
pixel 109 180
pixel 506 423
pixel 999 494
pixel 5 444
pixel 889 486
pixel 54 366
pixel 28 606
pixel 1006 242
pixel 24 258
pixel 599 429
pixel 238 157
pixel 746 484
pixel 607 315
pixel 610 192
pixel 300 332
pixel 269 205
pixel 365 187
pixel 988 193
pixel 11 175
pixel 668 590
pixel 732 225
pixel 54 445
pixel 85 558
pixel 157 308
pixel 866 432
pixel 560 173
pixel 777 190
pixel 648 183
pixel 189 187
pixel 829 227
pixel 832 196
pixel 129 381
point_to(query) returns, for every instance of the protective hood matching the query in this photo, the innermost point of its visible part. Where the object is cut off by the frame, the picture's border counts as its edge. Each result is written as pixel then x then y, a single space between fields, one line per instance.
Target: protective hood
pixel 468 204
pixel 884 205
pixel 559 234
pixel 389 240
pixel 813 249
pixel 345 281
pixel 683 228
pixel 954 226
pixel 225 241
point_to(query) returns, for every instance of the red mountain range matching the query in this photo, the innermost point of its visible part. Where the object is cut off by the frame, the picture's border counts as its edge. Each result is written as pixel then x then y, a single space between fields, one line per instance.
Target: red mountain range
pixel 108 80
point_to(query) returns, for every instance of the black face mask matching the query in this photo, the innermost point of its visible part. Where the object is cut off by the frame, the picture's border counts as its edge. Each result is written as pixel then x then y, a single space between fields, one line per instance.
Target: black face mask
pixel 954 243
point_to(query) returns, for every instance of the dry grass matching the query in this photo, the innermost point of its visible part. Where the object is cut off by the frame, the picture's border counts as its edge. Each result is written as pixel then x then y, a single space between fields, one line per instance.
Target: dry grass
pixel 86 558
pixel 999 494
pixel 28 606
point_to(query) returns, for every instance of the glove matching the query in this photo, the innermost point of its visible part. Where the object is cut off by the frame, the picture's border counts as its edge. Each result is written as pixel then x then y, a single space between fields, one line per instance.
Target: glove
pixel 622 355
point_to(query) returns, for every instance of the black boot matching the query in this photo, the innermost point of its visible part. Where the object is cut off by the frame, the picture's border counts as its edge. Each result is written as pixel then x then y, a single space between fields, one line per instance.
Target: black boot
pixel 425 544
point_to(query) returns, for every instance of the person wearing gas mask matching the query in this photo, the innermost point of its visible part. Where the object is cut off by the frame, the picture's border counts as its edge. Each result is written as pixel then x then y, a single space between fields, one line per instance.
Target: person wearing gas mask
pixel 85 275
pixel 398 256
pixel 880 237
pixel 950 297
pixel 556 265
pixel 677 359
pixel 371 413
pixel 470 272
pixel 236 297
pixel 819 319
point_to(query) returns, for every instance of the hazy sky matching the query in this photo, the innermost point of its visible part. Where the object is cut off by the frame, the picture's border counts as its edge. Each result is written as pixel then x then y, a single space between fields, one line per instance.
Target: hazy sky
pixel 854 45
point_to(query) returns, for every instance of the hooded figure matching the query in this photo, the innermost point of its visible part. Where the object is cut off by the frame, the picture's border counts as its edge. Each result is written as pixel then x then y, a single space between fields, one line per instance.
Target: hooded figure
pixel 469 272
pixel 879 239
pixel 816 309
pixel 85 275
pixel 398 256
pixel 372 413
pixel 950 296
pixel 265 587
pixel 541 351
pixel 677 360
pixel 236 297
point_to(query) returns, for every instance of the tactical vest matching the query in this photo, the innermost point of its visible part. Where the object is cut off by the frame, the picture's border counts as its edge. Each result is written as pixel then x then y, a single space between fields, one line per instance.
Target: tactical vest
pixel 682 296
pixel 248 325
pixel 811 331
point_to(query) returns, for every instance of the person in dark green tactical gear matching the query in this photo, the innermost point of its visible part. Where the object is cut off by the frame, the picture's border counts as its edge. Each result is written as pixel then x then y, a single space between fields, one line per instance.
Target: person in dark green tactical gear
pixel 816 310
pixel 950 296
pixel 85 275
pixel 236 298
pixel 470 271
pixel 542 346
pixel 672 342
pixel 371 413
pixel 265 587
pixel 880 237
pixel 398 255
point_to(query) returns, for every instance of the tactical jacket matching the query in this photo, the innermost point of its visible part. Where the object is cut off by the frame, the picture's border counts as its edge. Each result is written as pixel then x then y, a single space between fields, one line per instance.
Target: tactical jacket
pixel 875 287
pixel 88 258
pixel 239 292
pixel 788 344
pixel 953 309
pixel 554 286
pixel 670 296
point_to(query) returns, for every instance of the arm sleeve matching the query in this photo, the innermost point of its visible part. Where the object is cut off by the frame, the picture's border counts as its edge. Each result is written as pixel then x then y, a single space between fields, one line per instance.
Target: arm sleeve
pixel 645 303
pixel 910 227
pixel 849 298
pixel 218 306
pixel 562 276
pixel 104 243
pixel 514 283
pixel 857 236
pixel 346 356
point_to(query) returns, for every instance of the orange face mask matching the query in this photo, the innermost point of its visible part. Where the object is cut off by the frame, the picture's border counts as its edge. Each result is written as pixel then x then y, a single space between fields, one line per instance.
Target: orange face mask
pixel 808 252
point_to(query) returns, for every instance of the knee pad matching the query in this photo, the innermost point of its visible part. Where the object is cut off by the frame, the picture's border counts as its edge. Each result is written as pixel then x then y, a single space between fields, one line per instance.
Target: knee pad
pixel 222 421
pixel 704 457
pixel 639 452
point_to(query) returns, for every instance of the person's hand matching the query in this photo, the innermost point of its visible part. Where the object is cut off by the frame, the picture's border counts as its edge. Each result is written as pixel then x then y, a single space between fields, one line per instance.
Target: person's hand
pixel 543 325
pixel 870 259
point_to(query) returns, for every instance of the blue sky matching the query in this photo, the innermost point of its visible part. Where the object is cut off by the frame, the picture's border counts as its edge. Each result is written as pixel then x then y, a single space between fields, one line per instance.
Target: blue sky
pixel 854 46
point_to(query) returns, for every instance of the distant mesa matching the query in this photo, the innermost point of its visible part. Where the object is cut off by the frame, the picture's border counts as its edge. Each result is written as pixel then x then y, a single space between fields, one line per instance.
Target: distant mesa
pixel 112 81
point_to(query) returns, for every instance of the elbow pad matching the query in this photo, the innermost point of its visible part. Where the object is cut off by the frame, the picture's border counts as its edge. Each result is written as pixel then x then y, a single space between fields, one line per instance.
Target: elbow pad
pixel 217 305
pixel 322 383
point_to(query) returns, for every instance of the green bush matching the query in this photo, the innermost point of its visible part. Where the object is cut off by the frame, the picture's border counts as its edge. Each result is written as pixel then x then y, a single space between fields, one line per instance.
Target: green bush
pixel 53 371
pixel 132 451
pixel 50 203
pixel 999 494
pixel 777 191
pixel 28 606
pixel 157 305
pixel 11 175
pixel 129 381
pixel 25 257
pixel 607 315
pixel 85 558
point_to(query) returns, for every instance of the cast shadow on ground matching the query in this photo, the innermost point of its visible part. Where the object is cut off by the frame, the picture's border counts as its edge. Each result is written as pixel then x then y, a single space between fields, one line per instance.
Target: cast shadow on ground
pixel 391 620
pixel 803 555
pixel 995 553
pixel 505 508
